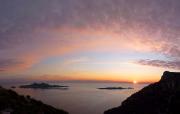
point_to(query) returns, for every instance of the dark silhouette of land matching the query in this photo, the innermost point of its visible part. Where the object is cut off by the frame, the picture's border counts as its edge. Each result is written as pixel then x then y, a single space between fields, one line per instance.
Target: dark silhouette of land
pixel 12 103
pixel 43 86
pixel 13 87
pixel 115 88
pixel 162 97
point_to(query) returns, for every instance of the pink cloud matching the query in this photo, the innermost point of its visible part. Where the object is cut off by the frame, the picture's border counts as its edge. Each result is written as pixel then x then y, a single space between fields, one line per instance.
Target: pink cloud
pixel 60 27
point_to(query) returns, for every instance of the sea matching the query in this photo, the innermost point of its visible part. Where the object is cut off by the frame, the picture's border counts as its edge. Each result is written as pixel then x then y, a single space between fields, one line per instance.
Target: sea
pixel 82 98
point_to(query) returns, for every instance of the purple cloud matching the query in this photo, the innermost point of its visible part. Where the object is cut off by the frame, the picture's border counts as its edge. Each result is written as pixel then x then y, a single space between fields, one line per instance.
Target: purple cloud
pixel 152 23
pixel 161 63
pixel 7 64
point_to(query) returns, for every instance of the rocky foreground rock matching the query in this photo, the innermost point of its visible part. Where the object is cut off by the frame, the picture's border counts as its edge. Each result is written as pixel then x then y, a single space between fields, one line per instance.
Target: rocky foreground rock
pixel 162 97
pixel 12 103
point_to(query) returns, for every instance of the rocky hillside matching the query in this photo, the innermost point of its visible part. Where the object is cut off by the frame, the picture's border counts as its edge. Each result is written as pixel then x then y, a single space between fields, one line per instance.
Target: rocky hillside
pixel 12 103
pixel 162 97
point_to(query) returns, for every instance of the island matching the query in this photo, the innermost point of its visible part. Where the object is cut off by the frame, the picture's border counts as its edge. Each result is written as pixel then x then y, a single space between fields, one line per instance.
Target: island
pixel 12 103
pixel 13 87
pixel 44 86
pixel 162 97
pixel 115 88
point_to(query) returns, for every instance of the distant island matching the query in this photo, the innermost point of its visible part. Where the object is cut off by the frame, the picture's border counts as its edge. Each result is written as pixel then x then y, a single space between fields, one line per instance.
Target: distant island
pixel 12 103
pixel 13 87
pixel 43 86
pixel 115 88
pixel 162 97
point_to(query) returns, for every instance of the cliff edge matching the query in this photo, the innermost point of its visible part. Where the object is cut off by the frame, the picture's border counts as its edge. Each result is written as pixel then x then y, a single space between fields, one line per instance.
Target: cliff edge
pixel 162 97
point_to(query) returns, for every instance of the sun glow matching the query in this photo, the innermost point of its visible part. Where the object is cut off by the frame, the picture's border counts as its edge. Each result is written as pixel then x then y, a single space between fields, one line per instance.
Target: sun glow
pixel 134 82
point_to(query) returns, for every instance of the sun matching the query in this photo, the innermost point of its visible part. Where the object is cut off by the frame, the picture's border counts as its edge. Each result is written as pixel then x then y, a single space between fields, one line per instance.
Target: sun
pixel 134 82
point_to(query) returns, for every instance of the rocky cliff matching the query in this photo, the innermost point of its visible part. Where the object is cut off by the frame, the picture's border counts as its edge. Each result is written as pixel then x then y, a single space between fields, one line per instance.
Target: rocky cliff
pixel 162 97
pixel 12 103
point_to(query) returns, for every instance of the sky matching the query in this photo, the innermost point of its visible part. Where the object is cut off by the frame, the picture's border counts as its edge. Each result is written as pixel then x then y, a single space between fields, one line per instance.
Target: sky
pixel 89 40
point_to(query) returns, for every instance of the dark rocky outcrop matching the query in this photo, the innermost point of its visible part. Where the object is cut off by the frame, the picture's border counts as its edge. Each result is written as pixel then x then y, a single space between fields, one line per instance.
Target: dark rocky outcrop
pixel 12 103
pixel 162 97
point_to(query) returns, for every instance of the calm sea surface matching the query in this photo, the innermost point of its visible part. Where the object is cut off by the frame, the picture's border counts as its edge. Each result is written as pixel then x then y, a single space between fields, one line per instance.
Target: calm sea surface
pixel 83 98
